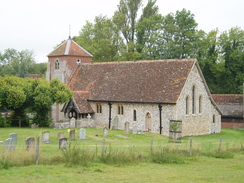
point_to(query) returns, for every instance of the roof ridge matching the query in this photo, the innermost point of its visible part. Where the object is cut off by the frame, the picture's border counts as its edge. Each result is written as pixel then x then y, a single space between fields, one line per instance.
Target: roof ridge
pixel 140 61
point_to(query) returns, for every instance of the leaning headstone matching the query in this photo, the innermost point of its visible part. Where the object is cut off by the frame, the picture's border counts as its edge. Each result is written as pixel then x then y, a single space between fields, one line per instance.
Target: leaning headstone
pixel 127 128
pixel 60 135
pixel 30 143
pixel 72 123
pixel 45 137
pixel 82 133
pixel 14 140
pixel 8 144
pixel 134 130
pixel 105 131
pixel 63 143
pixel 115 123
pixel 72 134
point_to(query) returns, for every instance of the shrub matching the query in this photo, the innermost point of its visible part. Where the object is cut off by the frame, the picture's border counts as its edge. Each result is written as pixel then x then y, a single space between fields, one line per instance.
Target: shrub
pixel 2 121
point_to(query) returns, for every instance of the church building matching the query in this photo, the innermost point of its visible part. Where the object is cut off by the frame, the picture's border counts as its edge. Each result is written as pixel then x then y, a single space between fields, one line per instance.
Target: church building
pixel 147 94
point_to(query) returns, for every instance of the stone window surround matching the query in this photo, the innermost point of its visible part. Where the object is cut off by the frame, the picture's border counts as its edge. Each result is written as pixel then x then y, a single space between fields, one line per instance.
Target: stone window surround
pixel 57 63
pixel 99 108
pixel 120 109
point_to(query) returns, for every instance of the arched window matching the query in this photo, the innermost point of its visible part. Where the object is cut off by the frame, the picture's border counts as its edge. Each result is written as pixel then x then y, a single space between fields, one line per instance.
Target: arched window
pixel 56 64
pixel 193 99
pixel 187 105
pixel 214 118
pixel 120 109
pixel 99 108
pixel 134 115
pixel 200 104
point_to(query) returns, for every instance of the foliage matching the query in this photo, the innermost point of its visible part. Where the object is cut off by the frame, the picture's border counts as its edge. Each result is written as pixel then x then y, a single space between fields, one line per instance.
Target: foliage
pixel 220 154
pixel 21 64
pixel 34 95
pixel 3 122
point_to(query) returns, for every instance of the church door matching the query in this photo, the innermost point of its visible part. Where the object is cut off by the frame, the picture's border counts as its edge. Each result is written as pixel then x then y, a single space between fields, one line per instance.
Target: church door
pixel 73 114
pixel 148 122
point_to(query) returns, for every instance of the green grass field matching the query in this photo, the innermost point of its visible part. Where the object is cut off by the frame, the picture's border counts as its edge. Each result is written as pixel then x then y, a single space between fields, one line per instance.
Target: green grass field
pixel 18 166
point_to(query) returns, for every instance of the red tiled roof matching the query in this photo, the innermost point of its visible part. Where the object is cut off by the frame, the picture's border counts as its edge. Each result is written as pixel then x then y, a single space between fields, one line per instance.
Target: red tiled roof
pixel 228 98
pixel 82 103
pixel 159 81
pixel 71 48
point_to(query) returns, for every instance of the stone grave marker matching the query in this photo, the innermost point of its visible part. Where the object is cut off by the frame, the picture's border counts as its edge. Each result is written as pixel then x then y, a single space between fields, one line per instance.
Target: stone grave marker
pixel 30 143
pixel 72 134
pixel 1 142
pixel 45 137
pixel 63 143
pixel 72 122
pixel 14 140
pixel 8 144
pixel 105 131
pixel 142 128
pixel 115 123
pixel 82 133
pixel 134 130
pixel 127 128
pixel 60 135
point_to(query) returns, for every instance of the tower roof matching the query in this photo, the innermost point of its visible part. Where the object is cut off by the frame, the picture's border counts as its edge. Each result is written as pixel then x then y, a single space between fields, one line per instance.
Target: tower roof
pixel 70 48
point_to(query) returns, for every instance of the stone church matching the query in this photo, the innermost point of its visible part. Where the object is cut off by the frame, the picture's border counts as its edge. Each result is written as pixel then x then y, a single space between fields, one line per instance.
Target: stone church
pixel 148 94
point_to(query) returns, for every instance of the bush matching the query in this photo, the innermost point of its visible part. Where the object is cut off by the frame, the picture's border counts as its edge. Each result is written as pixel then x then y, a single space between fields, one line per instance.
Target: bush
pixel 3 122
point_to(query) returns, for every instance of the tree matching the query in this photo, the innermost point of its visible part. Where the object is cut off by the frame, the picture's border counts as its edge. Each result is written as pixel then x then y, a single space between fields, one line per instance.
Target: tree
pixel 35 95
pixel 19 64
pixel 101 39
pixel 232 50
pixel 148 30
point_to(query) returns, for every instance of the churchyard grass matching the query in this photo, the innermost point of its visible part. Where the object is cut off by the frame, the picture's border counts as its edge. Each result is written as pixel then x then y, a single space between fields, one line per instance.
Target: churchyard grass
pixel 127 158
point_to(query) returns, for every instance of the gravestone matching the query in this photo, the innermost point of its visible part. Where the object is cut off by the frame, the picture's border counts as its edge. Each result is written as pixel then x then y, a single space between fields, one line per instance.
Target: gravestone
pixel 134 130
pixel 105 131
pixel 60 135
pixel 115 123
pixel 142 128
pixel 127 128
pixel 1 142
pixel 34 125
pixel 72 134
pixel 30 143
pixel 8 144
pixel 63 143
pixel 14 140
pixel 45 137
pixel 72 122
pixel 82 133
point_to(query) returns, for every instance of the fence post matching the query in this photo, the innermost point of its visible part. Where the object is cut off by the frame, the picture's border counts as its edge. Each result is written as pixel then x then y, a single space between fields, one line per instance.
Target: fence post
pixel 190 146
pixel 220 143
pixel 103 147
pixel 151 148
pixel 37 150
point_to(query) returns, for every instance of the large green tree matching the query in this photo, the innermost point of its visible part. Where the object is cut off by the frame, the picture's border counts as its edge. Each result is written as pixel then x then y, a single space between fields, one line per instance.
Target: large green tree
pixel 100 38
pixel 232 52
pixel 21 64
pixel 34 95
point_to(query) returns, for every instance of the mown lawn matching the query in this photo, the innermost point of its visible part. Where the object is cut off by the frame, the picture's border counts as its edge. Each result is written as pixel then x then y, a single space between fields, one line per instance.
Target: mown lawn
pixel 200 168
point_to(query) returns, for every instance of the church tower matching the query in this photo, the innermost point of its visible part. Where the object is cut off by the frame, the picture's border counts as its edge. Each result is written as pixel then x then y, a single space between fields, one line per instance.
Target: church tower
pixel 62 62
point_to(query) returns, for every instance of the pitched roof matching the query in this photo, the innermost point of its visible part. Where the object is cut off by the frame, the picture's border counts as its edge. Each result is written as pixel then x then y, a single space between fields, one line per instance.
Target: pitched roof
pixel 70 48
pixel 81 102
pixel 158 81
pixel 228 98
pixel 231 105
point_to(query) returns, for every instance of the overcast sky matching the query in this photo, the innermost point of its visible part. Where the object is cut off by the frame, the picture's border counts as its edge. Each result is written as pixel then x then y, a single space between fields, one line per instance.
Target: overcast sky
pixel 39 25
